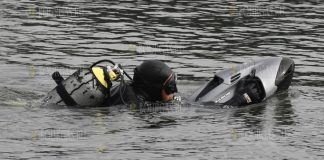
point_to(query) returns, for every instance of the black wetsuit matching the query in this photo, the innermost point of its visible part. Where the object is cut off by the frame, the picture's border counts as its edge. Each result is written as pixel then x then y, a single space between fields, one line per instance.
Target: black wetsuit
pixel 137 100
pixel 122 94
pixel 127 94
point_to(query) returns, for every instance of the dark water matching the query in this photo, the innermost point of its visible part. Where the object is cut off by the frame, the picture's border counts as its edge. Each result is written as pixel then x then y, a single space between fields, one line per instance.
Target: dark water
pixel 196 38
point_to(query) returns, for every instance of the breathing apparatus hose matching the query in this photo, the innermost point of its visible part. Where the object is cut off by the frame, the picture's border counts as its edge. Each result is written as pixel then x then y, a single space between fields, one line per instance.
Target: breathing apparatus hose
pixel 122 87
pixel 129 77
pixel 121 72
pixel 113 63
pixel 100 61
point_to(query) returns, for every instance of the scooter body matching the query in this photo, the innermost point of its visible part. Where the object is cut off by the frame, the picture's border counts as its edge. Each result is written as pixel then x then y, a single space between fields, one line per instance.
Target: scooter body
pixel 275 74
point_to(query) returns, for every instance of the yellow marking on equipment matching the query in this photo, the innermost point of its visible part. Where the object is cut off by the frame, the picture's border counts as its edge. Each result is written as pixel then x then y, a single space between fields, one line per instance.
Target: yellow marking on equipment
pixel 99 73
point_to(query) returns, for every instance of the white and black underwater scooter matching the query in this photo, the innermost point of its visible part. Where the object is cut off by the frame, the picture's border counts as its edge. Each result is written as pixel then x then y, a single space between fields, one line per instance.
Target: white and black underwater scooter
pixel 268 75
pixel 87 87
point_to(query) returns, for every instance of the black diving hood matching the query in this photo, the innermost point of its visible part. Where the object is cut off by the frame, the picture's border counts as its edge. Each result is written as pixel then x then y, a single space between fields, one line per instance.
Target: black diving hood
pixel 274 74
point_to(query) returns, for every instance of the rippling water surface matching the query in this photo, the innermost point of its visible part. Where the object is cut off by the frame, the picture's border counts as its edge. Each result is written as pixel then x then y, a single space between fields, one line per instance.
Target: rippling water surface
pixel 197 39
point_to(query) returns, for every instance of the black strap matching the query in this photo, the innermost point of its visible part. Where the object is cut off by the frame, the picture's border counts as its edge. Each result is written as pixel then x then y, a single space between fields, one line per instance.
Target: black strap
pixel 106 76
pixel 67 99
pixel 56 76
pixel 60 89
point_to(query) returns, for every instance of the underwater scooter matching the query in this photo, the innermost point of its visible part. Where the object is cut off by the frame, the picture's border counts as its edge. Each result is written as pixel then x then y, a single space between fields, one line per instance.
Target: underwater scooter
pixel 268 75
pixel 87 86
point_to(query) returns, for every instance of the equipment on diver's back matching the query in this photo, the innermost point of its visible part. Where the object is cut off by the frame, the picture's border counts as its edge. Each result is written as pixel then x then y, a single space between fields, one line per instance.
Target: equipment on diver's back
pixel 267 76
pixel 87 86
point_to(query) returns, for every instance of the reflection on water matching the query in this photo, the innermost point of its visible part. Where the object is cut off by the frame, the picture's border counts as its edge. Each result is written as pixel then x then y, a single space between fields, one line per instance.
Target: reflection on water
pixel 196 38
pixel 284 112
pixel 250 117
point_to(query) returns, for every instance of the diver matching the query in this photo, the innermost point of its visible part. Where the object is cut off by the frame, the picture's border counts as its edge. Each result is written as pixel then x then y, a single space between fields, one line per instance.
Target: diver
pixel 153 81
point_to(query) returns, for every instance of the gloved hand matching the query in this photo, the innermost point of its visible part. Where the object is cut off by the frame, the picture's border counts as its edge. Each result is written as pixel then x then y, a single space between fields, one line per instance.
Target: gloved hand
pixel 248 92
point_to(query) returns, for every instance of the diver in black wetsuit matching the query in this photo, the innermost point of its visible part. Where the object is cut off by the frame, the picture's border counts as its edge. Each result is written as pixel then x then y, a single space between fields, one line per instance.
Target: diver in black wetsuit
pixel 153 81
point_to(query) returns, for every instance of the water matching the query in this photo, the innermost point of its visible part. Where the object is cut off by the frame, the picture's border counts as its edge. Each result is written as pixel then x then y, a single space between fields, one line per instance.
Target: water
pixel 196 38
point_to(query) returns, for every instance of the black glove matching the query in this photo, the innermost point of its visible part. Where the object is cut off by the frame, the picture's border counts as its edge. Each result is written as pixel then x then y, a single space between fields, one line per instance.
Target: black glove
pixel 248 92
pixel 251 93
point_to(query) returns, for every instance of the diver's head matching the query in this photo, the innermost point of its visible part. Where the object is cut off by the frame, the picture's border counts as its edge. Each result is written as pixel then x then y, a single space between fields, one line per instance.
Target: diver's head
pixel 156 79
